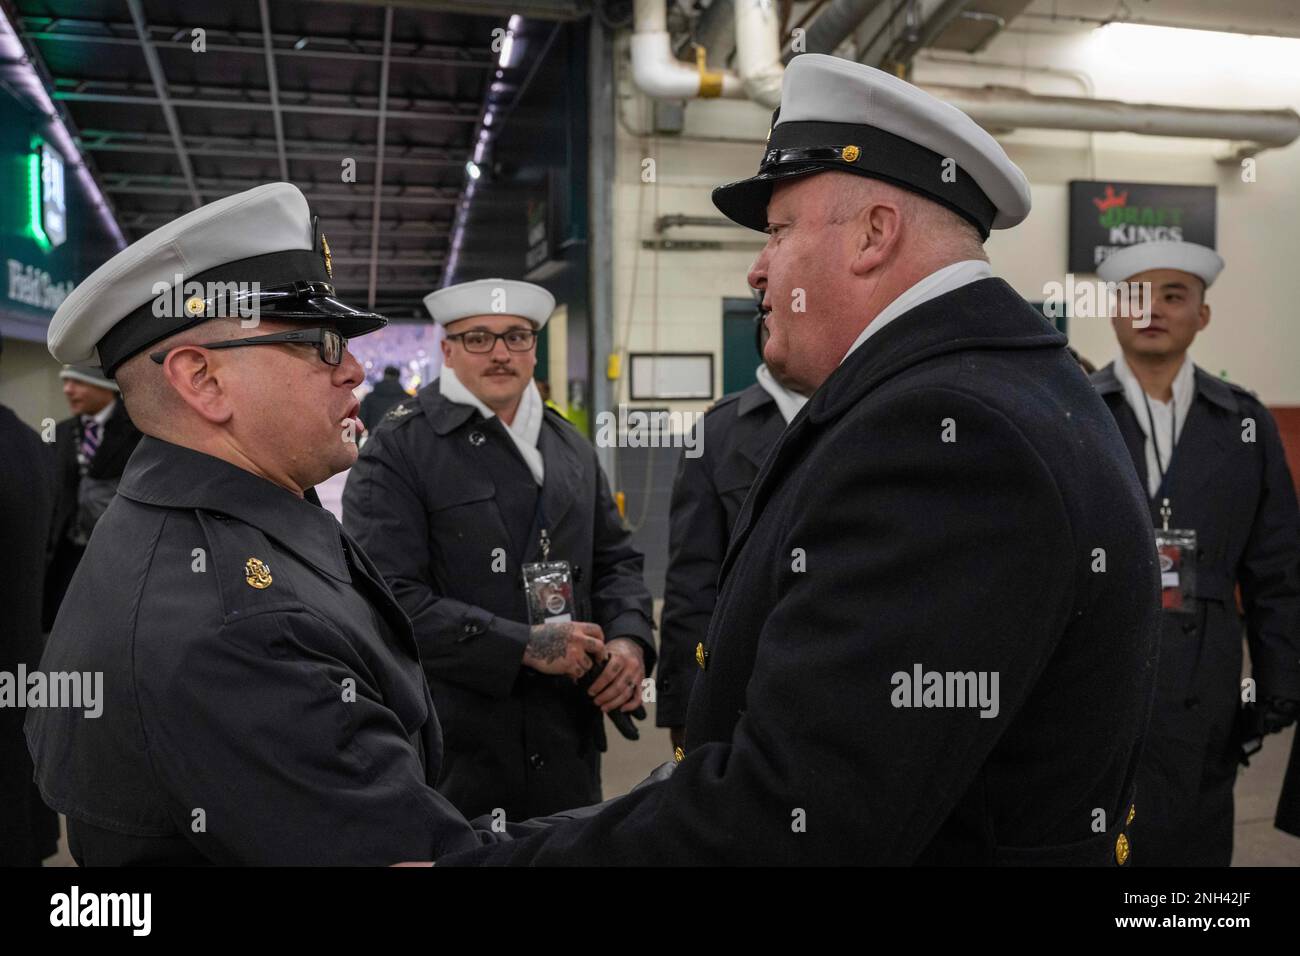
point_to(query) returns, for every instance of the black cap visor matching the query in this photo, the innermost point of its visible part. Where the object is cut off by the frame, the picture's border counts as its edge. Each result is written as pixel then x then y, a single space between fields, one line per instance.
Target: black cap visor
pixel 801 148
pixel 288 286
pixel 745 202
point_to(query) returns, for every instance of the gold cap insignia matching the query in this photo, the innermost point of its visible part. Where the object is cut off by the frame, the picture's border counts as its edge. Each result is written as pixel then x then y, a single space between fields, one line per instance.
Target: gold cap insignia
pixel 1121 850
pixel 850 154
pixel 257 574
pixel 325 254
pixel 195 306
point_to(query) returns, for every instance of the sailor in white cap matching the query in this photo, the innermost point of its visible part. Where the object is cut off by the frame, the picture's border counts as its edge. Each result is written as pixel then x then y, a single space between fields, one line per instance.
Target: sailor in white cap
pixel 461 493
pixel 932 510
pixel 262 699
pixel 91 448
pixel 1210 457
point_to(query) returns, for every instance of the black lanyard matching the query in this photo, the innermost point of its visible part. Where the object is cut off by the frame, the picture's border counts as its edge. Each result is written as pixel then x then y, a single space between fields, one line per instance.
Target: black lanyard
pixel 1155 444
pixel 538 531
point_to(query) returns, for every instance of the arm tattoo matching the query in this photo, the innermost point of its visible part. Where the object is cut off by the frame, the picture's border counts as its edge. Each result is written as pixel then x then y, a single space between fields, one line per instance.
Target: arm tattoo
pixel 548 641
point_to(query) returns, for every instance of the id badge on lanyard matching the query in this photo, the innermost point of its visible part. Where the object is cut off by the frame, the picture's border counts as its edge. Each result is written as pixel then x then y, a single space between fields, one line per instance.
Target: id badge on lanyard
pixel 1176 549
pixel 549 587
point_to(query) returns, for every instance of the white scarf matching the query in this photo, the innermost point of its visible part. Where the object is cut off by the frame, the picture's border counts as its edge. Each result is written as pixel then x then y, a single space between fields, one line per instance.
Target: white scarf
pixel 1161 415
pixel 526 427
pixel 788 403
pixel 937 283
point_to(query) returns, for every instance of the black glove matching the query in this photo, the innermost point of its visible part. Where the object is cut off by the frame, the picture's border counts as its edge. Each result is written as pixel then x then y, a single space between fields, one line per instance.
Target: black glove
pixel 622 719
pixel 1279 714
pixel 1257 721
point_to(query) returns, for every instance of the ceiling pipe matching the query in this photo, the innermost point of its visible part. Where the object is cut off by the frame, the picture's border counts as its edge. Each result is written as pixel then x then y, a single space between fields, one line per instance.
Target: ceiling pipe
pixel 715 30
pixel 999 107
pixel 657 73
pixel 758 51
pixel 833 25
pixel 760 71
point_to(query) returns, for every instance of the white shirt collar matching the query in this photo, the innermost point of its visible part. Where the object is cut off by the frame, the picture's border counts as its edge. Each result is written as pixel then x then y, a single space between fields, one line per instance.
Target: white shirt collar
pixel 524 430
pixel 1161 422
pixel 950 277
pixel 788 403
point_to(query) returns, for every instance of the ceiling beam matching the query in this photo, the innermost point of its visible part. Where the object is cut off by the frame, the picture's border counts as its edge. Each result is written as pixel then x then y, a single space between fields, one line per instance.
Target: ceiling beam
pixel 74 97
pixel 160 86
pixel 312 150
pixel 162 189
pixel 273 86
pixel 250 43
pixel 380 136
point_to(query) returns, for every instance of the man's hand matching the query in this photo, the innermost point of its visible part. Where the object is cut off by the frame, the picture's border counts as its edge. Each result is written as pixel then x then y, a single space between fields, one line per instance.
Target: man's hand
pixel 619 687
pixel 568 648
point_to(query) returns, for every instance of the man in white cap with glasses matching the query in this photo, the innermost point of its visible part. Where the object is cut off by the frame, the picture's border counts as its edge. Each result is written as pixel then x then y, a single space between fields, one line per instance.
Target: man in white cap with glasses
pixel 1222 499
pixel 936 615
pixel 490 518
pixel 261 698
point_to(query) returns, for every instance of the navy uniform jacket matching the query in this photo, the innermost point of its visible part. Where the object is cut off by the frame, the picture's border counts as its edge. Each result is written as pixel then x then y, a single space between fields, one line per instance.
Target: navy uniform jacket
pixel 118 441
pixel 255 668
pixel 977 554
pixel 443 501
pixel 28 831
pixel 1239 497
pixel 738 432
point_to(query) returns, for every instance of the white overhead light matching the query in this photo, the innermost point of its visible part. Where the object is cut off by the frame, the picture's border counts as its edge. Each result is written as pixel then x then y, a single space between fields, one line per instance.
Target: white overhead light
pixel 507 45
pixel 471 167
pixel 1209 54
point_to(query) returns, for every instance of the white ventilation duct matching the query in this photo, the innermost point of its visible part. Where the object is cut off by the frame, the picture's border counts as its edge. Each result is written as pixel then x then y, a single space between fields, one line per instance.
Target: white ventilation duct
pixel 999 107
pixel 657 73
pixel 758 51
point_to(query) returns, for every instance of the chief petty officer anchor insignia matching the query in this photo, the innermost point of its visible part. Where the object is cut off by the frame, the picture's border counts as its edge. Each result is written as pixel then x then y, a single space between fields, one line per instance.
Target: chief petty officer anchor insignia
pixel 257 574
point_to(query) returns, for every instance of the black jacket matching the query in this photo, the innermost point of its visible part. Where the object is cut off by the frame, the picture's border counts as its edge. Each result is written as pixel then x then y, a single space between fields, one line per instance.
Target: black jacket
pixel 115 446
pixel 1239 498
pixel 386 393
pixel 263 701
pixel 27 830
pixel 977 554
pixel 444 503
pixel 734 437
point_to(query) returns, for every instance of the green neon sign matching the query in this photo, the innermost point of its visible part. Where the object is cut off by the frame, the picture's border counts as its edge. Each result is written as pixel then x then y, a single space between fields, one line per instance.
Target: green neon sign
pixel 35 217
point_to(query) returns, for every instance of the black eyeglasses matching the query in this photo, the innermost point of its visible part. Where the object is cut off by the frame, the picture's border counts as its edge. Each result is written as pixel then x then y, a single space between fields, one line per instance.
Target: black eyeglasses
pixel 481 340
pixel 329 344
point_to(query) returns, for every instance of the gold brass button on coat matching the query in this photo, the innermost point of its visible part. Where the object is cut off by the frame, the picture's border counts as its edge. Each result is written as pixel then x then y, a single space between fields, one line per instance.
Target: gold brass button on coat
pixel 701 656
pixel 1121 850
pixel 678 755
pixel 1132 812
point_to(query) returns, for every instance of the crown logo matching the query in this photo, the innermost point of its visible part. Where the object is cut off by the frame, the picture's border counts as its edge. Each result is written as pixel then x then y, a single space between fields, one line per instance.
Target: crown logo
pixel 1110 199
